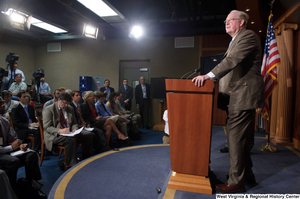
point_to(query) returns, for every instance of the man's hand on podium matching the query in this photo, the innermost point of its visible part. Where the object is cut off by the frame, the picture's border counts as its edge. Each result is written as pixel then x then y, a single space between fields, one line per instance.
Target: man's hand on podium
pixel 199 80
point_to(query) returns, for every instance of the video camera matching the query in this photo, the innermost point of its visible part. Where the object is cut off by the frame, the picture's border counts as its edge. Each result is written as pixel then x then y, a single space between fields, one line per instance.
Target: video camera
pixel 38 74
pixel 3 73
pixel 11 58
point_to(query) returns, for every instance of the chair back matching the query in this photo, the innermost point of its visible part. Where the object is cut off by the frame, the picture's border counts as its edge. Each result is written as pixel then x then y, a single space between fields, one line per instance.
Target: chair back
pixel 11 122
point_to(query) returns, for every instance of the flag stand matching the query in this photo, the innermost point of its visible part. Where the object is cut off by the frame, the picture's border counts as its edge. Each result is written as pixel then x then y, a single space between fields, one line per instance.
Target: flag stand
pixel 268 147
pixel 269 70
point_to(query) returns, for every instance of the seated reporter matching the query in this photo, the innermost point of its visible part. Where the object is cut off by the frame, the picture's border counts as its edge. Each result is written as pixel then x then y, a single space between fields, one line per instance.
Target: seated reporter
pixel 99 140
pixel 44 90
pixel 136 118
pixel 90 115
pixel 9 142
pixel 17 86
pixel 24 120
pixel 59 119
pixel 104 111
pixel 9 103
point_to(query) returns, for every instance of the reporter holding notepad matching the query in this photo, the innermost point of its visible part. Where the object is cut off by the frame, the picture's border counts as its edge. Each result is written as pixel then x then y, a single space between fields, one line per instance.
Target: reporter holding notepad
pixel 9 142
pixel 58 119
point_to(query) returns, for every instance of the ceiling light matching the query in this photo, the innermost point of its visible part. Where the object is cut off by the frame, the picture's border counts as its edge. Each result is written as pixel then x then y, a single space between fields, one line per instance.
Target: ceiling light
pixel 46 26
pixel 259 31
pixel 90 31
pixel 17 20
pixel 99 7
pixel 252 22
pixel 136 32
pixel 17 17
pixel 247 10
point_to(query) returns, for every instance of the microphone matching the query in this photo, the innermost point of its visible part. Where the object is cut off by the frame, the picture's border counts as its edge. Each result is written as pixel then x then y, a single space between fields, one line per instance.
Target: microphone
pixel 197 70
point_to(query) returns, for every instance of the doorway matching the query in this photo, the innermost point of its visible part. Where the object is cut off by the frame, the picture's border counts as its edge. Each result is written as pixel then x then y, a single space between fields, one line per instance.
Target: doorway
pixel 133 70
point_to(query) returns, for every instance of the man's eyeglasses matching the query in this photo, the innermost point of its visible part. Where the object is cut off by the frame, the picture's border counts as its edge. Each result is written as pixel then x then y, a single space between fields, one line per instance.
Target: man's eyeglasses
pixel 229 20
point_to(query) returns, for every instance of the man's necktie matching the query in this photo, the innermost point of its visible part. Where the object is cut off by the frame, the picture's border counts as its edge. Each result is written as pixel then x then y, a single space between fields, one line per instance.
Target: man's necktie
pixel 230 43
pixel 27 113
pixel 80 117
pixel 63 121
pixel 14 75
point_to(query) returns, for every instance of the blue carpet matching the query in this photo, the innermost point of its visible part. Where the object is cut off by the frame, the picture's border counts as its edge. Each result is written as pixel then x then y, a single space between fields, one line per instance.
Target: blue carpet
pixel 275 172
pixel 129 173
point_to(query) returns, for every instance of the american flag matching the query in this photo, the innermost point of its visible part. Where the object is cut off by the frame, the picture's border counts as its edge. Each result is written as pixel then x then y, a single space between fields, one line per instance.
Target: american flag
pixel 270 61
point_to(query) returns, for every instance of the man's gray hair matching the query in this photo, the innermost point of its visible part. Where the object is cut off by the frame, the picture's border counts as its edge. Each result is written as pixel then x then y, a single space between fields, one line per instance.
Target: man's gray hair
pixel 242 15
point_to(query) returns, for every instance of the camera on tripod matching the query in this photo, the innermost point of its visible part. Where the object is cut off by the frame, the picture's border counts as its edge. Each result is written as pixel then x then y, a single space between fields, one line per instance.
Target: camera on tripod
pixel 37 76
pixel 11 58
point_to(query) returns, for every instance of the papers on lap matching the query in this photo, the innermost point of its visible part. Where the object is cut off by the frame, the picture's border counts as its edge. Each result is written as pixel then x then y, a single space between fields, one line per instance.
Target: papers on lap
pixel 18 153
pixel 71 134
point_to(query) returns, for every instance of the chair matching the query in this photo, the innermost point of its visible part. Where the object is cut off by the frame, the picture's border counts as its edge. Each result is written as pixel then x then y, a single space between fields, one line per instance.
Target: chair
pixel 29 137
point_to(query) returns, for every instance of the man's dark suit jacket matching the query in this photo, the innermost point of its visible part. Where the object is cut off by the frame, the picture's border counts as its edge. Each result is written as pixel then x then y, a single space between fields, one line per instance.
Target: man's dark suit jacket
pixel 75 111
pixel 19 117
pixel 139 94
pixel 102 89
pixel 127 94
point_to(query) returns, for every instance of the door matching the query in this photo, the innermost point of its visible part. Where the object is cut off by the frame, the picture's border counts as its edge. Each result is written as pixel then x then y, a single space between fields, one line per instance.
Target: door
pixel 133 70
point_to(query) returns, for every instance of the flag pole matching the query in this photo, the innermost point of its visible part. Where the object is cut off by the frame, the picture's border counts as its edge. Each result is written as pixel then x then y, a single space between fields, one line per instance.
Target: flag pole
pixel 268 147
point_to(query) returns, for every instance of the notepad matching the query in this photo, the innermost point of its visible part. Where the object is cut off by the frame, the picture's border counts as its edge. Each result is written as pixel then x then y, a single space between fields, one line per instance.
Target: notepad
pixel 71 134
pixel 20 152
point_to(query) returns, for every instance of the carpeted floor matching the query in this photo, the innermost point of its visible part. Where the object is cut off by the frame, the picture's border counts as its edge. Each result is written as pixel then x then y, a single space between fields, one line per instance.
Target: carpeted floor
pixel 136 172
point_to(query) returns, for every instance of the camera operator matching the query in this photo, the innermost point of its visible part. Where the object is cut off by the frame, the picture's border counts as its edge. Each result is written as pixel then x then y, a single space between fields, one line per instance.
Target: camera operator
pixel 44 90
pixel 15 71
pixel 17 86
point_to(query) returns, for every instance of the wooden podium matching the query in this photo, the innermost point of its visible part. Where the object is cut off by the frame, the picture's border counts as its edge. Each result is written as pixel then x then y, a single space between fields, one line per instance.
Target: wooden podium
pixel 190 123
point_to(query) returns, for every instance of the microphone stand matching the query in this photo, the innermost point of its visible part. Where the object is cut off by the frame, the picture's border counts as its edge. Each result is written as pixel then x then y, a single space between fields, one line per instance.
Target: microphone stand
pixel 186 74
pixel 191 75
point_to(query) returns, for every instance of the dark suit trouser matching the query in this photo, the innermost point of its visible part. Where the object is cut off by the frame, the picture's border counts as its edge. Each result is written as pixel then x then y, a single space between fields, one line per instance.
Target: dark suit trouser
pixel 127 106
pixel 85 137
pixel 11 164
pixel 99 141
pixel 144 112
pixel 23 133
pixel 240 127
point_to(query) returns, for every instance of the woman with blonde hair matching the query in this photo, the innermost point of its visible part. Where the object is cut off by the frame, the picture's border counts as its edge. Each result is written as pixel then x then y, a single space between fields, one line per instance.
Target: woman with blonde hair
pixel 90 115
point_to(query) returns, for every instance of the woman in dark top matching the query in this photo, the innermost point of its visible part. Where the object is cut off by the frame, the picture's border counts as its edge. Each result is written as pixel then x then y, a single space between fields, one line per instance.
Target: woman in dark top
pixel 89 114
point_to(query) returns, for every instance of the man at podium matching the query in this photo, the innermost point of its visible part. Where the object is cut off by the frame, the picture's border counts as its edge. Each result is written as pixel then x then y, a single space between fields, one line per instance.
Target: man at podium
pixel 239 75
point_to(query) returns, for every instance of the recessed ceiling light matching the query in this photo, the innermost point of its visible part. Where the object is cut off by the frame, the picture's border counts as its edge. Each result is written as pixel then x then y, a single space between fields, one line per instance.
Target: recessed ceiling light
pixel 46 26
pixel 247 10
pixel 259 31
pixel 99 7
pixel 252 22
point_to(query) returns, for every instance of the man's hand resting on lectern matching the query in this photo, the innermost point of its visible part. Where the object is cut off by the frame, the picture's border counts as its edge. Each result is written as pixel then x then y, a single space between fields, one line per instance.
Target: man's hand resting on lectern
pixel 199 80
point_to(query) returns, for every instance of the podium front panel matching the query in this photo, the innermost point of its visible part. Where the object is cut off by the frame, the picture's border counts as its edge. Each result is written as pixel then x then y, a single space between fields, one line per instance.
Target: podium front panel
pixel 190 119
